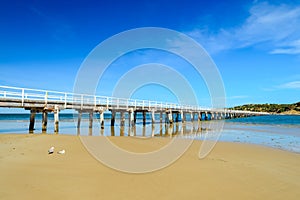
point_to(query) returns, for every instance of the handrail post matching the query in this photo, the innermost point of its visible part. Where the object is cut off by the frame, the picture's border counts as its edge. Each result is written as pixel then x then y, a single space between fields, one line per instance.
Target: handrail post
pixel 65 100
pixel 46 97
pixel 107 103
pixel 23 92
pixel 81 101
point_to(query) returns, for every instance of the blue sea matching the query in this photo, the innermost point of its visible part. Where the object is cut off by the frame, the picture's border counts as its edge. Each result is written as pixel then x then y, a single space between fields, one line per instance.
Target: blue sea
pixel 277 131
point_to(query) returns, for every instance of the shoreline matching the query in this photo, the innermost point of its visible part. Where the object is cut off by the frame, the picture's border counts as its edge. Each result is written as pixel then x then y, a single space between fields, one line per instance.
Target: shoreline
pixel 230 171
pixel 264 135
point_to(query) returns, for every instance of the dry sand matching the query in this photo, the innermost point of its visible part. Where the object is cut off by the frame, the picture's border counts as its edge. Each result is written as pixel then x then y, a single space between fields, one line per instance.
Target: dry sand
pixel 231 171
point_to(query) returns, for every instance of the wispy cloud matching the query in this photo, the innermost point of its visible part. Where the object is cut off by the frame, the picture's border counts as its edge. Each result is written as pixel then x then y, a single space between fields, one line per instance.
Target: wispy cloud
pixel 290 85
pixel 275 27
pixel 238 97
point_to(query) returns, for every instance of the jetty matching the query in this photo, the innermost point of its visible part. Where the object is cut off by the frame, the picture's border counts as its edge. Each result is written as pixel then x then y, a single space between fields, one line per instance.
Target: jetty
pixel 46 101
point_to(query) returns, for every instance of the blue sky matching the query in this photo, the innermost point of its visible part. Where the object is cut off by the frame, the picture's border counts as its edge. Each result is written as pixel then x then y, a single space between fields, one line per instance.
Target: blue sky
pixel 255 44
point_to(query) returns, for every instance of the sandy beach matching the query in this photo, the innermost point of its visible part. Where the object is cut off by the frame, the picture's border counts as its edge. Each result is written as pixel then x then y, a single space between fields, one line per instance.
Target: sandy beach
pixel 230 171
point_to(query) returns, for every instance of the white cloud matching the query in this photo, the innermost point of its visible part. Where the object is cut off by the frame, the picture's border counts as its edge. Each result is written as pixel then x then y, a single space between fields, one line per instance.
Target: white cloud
pixel 290 85
pixel 276 28
pixel 290 48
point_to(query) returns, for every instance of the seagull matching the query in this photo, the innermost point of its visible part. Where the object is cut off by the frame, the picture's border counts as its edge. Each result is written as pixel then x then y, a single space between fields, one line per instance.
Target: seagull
pixel 51 150
pixel 61 152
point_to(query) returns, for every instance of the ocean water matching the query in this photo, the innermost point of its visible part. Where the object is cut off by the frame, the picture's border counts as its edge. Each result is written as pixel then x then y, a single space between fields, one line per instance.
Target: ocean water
pixel 277 131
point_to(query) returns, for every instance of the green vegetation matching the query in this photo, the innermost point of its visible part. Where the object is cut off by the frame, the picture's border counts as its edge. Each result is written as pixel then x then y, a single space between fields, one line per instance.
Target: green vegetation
pixel 271 108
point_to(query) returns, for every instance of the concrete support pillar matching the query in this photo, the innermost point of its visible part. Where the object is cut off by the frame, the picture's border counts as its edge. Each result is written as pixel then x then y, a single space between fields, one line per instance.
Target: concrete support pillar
pixel 206 116
pixel 199 116
pixel 161 117
pixel 112 120
pixel 44 121
pixel 56 119
pixel 32 120
pixel 191 116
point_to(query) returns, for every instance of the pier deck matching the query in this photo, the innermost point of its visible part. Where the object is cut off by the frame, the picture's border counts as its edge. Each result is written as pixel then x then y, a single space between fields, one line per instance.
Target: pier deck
pixel 52 101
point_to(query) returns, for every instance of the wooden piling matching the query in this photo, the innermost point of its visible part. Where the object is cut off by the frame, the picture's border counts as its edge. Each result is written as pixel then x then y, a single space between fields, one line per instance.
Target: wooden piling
pixel 122 119
pixel 56 119
pixel 206 116
pixel 91 120
pixel 122 130
pixel 112 130
pixel 177 117
pixel 131 117
pixel 32 120
pixel 112 121
pixel 79 119
pixel 44 121
pixel 199 116
pixel 161 117
pixel 170 117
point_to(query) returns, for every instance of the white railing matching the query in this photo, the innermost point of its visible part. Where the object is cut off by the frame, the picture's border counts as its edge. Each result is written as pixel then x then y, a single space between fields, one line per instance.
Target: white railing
pixel 82 100
pixel 72 100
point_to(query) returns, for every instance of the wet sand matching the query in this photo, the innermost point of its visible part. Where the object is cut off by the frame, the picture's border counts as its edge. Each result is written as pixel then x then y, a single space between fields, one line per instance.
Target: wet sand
pixel 230 171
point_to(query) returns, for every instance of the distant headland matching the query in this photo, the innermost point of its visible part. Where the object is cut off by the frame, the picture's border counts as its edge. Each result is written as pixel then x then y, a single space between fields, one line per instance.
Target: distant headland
pixel 287 109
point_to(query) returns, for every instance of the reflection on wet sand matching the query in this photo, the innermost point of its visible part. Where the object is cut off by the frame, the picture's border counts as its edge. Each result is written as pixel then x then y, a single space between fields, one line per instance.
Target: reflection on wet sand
pixel 186 129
